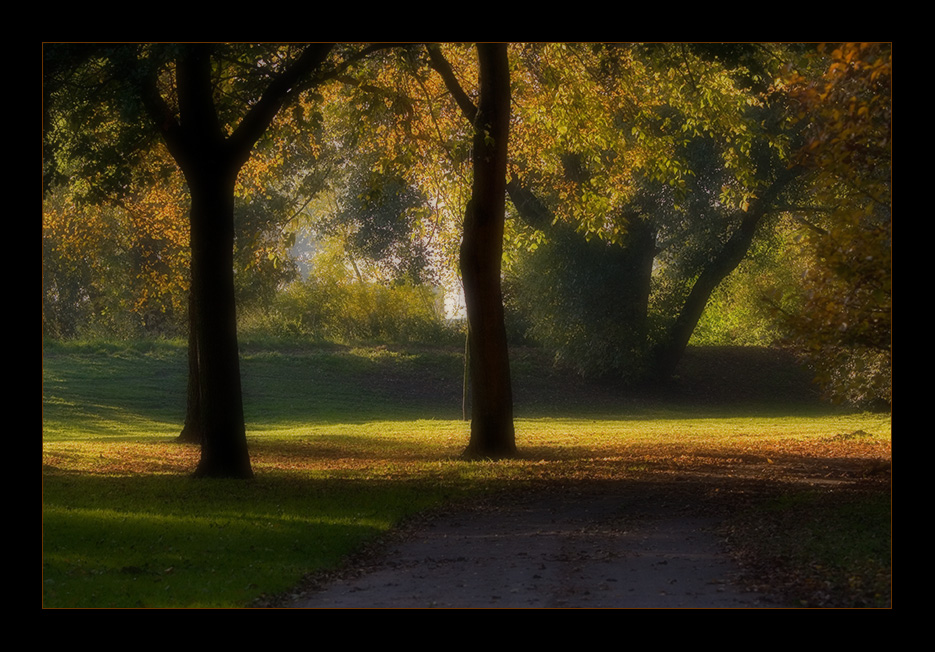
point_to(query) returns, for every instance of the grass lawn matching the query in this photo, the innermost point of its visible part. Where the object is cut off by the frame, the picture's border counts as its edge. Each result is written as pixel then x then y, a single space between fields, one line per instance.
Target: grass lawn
pixel 346 442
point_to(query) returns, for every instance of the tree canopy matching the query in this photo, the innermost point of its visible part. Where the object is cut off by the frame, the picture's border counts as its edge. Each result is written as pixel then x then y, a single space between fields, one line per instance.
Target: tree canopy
pixel 673 157
pixel 845 319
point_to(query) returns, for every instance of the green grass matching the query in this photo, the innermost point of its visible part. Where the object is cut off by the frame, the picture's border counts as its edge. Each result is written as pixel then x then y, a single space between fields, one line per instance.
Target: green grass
pixel 154 541
pixel 348 441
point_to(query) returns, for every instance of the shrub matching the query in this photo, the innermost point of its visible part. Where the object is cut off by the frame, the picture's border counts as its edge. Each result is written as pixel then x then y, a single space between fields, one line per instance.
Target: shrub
pixel 330 309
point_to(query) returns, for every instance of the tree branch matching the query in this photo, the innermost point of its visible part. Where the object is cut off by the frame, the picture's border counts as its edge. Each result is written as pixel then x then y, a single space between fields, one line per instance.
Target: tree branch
pixel 728 258
pixel 287 86
pixel 530 208
pixel 440 65
pixel 144 77
pixel 282 88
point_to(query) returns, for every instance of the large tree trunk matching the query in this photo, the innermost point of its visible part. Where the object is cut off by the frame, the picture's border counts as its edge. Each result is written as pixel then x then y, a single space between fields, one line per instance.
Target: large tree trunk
pixel 224 439
pixel 634 260
pixel 210 162
pixel 492 432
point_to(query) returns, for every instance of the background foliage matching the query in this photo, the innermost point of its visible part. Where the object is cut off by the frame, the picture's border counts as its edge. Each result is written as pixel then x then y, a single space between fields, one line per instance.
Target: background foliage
pixel 348 214
pixel 845 321
pixel 334 303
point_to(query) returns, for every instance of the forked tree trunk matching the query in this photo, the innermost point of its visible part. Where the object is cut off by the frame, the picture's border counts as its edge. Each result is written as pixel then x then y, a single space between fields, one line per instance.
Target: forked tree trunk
pixel 210 152
pixel 492 432
pixel 210 163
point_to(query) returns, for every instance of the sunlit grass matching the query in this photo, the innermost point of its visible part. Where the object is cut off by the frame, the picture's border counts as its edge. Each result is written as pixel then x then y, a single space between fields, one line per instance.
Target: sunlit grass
pixel 124 524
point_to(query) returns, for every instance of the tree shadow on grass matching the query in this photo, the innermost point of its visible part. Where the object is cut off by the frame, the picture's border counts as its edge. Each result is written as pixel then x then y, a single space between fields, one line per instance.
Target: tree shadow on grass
pixel 161 538
pixel 158 541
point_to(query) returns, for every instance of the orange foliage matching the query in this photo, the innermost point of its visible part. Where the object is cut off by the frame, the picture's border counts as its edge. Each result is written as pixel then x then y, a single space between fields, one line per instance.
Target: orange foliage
pixel 846 321
pixel 122 265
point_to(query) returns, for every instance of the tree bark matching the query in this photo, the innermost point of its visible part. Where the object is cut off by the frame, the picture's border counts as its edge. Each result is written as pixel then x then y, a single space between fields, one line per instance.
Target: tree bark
pixel 492 432
pixel 192 430
pixel 224 441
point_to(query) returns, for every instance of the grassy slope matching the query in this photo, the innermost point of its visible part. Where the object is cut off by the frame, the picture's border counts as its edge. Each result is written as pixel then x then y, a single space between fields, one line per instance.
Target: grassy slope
pixel 347 441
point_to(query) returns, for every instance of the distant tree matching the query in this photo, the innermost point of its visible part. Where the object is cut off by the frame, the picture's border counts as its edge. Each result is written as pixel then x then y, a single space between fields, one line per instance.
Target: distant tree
pixel 398 197
pixel 377 215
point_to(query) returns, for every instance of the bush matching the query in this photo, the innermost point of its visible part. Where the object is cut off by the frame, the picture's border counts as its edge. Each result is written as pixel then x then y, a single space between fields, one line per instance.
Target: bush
pixel 328 309
pixel 585 301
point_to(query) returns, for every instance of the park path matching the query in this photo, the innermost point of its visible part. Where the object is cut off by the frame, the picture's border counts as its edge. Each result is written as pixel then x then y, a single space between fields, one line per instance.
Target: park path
pixel 560 549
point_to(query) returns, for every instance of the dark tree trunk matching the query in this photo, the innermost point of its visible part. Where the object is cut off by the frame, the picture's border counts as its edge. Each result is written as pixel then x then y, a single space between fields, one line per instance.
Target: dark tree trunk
pixel 193 430
pixel 466 379
pixel 634 258
pixel 613 280
pixel 492 432
pixel 224 440
pixel 210 158
pixel 210 162
pixel 668 354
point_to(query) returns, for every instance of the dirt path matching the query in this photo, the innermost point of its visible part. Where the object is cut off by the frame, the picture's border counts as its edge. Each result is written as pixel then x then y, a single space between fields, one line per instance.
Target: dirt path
pixel 574 548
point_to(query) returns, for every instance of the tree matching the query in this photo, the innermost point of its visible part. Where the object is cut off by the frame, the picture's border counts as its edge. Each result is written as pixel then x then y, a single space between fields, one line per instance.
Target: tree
pixel 710 173
pixel 378 215
pixel 845 320
pixel 210 105
pixel 404 167
pixel 492 431
pixel 405 122
pixel 670 350
pixel 660 163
